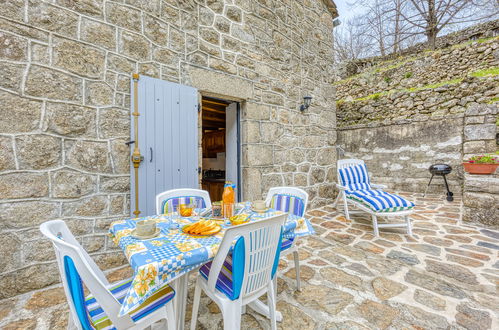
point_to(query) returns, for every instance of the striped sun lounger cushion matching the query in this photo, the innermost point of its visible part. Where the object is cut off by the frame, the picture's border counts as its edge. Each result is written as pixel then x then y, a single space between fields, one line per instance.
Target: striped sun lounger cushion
pixel 355 177
pixel 288 203
pixel 380 201
pixel 100 320
pixel 170 205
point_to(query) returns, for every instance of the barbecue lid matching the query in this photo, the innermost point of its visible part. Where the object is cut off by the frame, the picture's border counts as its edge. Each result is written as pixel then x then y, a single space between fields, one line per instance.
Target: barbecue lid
pixel 440 169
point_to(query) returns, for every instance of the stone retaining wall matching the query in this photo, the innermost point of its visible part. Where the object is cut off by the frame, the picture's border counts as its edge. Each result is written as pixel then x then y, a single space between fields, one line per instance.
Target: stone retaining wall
pixel 443 112
pixel 65 93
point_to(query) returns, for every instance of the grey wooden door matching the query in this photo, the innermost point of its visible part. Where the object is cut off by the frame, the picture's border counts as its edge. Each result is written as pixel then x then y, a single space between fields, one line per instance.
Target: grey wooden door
pixel 168 140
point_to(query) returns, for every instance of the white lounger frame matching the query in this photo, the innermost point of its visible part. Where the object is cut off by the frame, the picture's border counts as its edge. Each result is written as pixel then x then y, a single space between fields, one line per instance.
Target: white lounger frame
pixel 342 163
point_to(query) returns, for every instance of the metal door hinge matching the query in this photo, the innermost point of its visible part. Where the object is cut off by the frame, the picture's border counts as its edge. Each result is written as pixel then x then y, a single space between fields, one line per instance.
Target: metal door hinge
pixel 199 107
pixel 199 170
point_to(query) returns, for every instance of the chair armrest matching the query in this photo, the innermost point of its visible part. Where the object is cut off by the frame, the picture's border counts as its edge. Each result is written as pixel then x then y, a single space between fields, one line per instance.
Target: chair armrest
pixel 340 187
pixel 379 186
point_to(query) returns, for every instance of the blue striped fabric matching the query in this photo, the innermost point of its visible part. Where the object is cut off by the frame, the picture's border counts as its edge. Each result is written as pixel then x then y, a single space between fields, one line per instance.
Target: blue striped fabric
pixel 119 290
pixel 355 177
pixel 288 203
pixel 224 281
pixel 170 205
pixel 380 201
pixel 286 243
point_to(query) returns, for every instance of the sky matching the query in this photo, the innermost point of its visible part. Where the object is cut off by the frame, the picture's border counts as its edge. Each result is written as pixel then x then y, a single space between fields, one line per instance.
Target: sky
pixel 345 10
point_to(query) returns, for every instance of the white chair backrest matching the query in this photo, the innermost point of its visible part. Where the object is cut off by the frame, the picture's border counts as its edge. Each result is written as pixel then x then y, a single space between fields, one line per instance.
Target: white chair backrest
pixel 342 163
pixel 75 264
pixel 261 241
pixel 181 193
pixel 293 191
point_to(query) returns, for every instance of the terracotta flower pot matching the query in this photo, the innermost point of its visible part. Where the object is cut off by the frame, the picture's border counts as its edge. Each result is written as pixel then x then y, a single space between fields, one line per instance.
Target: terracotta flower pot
pixel 474 168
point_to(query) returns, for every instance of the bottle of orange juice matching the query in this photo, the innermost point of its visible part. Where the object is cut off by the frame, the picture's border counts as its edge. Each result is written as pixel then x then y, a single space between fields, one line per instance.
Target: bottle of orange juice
pixel 228 199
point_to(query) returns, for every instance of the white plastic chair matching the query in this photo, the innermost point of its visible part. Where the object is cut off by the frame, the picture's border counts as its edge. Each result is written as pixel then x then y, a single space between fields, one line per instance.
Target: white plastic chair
pixel 255 258
pixel 76 266
pixel 345 163
pixel 293 248
pixel 184 192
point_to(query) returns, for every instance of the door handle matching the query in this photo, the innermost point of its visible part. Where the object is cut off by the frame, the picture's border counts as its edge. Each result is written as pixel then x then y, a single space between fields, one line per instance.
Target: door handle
pixel 150 160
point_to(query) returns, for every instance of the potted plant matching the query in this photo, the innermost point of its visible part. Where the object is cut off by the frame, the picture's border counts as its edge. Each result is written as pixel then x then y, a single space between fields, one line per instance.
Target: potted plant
pixel 482 164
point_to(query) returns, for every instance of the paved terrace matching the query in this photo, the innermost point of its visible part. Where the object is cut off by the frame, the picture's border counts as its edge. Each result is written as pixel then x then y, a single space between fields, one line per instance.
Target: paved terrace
pixel 446 276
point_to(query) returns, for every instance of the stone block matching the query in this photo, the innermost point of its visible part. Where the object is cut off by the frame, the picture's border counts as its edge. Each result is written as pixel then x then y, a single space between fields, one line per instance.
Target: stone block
pixel 93 244
pixel 234 13
pixel 258 154
pixel 14 9
pixel 11 253
pixel 23 185
pixel 114 123
pixel 88 155
pixel 120 64
pixel 20 215
pixel 87 207
pixel 203 79
pixel 176 40
pixel 216 5
pixel 52 18
pixel 474 120
pixel 40 54
pixel 116 204
pixel 7 161
pixel 326 156
pixel 78 58
pixel 11 75
pixel 70 120
pixel 135 46
pixel 113 184
pixel 38 151
pixel 477 109
pixel 474 147
pixel 155 30
pixel 37 251
pixel 481 183
pixel 13 47
pixel 120 153
pixel 23 115
pixel 123 16
pixel 480 132
pixel 33 278
pixel 256 111
pixel 98 33
pixel 52 84
pixel 98 93
pixel 252 179
pixel 165 56
pixel 67 183
pixel 87 7
pixel 111 260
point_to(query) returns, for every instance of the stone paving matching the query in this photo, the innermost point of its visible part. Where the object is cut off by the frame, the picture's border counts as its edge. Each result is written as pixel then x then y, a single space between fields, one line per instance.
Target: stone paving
pixel 445 277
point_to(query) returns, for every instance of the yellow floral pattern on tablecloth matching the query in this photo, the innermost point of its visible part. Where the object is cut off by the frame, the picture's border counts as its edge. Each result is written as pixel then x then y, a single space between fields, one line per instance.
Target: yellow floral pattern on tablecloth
pixel 134 248
pixel 145 279
pixel 187 246
pixel 121 233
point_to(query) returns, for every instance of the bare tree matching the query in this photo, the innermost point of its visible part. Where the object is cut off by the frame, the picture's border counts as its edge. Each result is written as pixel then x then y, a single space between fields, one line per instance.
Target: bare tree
pixel 430 17
pixel 351 41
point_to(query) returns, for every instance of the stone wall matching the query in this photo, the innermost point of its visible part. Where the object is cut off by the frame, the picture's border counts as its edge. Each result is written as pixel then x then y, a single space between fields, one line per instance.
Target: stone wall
pixel 403 115
pixel 481 192
pixel 476 32
pixel 66 68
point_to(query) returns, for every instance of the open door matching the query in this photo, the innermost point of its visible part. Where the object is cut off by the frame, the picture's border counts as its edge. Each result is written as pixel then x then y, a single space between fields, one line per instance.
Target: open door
pixel 167 138
pixel 232 151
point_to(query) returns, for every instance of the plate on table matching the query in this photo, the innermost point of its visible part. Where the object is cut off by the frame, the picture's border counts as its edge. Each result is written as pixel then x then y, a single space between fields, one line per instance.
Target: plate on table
pixel 260 210
pixel 202 228
pixel 142 237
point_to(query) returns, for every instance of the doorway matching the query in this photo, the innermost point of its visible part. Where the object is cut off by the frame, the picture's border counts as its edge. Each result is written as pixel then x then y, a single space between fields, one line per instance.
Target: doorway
pixel 221 149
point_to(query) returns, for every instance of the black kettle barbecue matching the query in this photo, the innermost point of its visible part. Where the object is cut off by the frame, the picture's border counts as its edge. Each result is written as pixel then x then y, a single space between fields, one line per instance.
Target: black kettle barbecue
pixel 441 170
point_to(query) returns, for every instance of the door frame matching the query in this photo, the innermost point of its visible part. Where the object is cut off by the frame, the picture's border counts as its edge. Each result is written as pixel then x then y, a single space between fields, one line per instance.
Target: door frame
pixel 239 103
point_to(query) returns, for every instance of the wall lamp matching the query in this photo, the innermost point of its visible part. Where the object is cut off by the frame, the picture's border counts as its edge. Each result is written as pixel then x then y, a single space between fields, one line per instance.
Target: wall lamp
pixel 306 103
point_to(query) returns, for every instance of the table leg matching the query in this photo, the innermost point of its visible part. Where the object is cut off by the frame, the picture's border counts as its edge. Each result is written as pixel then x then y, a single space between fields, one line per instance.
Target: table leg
pixel 259 307
pixel 180 287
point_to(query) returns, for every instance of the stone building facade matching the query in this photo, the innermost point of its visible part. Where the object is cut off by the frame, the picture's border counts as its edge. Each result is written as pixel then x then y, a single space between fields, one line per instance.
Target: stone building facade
pixel 65 93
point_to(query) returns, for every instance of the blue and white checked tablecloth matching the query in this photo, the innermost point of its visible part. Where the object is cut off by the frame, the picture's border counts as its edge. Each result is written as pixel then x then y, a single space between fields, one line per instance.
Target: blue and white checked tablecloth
pixel 158 260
